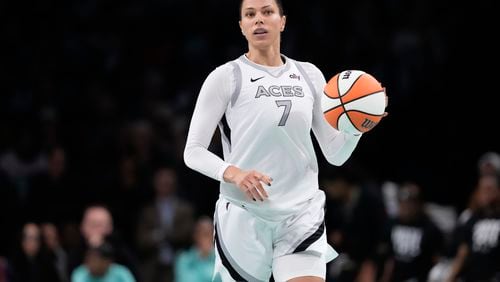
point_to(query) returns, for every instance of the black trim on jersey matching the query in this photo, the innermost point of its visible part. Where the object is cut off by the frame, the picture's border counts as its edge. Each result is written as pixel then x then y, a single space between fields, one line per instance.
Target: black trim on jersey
pixel 311 239
pixel 234 274
pixel 225 128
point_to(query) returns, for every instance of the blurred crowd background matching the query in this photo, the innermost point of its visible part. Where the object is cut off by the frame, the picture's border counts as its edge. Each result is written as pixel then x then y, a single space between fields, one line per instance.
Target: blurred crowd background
pixel 95 103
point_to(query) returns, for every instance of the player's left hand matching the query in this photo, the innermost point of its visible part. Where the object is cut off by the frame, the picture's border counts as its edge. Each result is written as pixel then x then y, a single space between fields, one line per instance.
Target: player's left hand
pixel 249 182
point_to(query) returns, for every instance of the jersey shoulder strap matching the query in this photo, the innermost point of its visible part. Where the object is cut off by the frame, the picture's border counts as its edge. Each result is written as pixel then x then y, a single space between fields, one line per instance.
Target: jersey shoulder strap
pixel 237 81
pixel 305 75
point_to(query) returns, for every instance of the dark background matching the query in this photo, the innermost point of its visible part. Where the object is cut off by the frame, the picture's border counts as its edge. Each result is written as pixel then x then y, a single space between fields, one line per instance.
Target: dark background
pixel 81 74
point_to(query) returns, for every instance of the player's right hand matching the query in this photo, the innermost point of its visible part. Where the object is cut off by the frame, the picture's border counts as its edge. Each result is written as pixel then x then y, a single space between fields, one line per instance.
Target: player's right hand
pixel 249 182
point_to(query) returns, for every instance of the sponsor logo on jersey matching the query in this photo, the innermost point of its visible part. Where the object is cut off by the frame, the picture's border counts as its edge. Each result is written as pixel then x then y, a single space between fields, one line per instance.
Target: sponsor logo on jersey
pixel 294 76
pixel 280 91
pixel 255 79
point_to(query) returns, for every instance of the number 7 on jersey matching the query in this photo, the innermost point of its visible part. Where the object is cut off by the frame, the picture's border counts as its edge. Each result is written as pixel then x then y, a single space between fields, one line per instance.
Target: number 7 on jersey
pixel 288 106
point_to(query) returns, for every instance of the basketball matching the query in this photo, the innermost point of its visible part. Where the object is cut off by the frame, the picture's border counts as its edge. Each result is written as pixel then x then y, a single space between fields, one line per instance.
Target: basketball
pixel 353 101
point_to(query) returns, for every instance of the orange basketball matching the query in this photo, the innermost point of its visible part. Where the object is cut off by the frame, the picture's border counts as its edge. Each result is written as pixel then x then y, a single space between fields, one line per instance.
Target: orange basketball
pixel 353 101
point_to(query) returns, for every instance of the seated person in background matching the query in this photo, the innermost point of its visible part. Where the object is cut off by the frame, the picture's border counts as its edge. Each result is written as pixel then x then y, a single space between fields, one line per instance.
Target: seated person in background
pixel 99 266
pixel 30 262
pixel 97 227
pixel 478 255
pixel 165 225
pixel 3 270
pixel 413 243
pixel 197 263
pixel 355 215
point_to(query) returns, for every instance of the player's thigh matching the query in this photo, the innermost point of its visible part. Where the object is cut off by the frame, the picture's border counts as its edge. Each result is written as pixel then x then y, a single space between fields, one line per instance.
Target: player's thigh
pixel 305 231
pixel 301 267
pixel 243 244
pixel 301 248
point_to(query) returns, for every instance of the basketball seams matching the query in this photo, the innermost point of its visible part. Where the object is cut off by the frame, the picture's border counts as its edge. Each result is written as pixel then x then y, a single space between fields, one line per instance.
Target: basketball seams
pixel 363 112
pixel 332 108
pixel 363 96
pixel 342 102
pixel 336 120
pixel 349 110
pixel 350 101
pixel 328 95
pixel 350 87
pixel 356 125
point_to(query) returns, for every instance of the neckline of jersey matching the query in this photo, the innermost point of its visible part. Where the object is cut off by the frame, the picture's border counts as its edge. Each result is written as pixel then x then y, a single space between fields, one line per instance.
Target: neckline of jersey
pixel 273 71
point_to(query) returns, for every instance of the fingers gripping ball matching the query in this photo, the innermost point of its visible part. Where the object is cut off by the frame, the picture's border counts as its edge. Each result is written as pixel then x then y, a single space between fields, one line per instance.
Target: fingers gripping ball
pixel 353 101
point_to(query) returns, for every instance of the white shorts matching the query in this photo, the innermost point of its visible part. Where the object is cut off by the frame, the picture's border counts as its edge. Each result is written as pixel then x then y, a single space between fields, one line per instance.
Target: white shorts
pixel 249 248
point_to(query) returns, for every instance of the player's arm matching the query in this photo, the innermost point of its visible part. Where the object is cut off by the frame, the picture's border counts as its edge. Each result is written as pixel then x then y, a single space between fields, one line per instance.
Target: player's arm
pixel 215 94
pixel 463 251
pixel 211 104
pixel 458 262
pixel 336 146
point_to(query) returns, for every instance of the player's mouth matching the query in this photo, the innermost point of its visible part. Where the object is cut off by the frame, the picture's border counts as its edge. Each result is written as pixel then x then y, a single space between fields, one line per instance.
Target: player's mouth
pixel 260 32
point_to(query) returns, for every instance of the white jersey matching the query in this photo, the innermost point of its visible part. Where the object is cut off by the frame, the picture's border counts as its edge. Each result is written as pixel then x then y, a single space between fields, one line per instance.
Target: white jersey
pixel 265 115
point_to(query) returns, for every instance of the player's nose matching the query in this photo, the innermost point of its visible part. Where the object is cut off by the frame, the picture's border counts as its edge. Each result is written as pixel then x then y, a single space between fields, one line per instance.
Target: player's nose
pixel 258 19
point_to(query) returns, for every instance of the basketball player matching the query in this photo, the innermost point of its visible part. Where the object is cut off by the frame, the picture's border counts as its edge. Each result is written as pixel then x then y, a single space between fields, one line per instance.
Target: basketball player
pixel 269 219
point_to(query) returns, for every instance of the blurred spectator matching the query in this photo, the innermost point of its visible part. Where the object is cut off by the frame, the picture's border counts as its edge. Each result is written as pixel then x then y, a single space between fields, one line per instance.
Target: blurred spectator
pixel 99 266
pixel 97 227
pixel 55 252
pixel 164 226
pixel 413 243
pixel 30 263
pixel 138 141
pixel 52 191
pixel 197 263
pixel 3 270
pixel 9 202
pixel 489 163
pixel 479 199
pixel 478 255
pixel 130 184
pixel 23 161
pixel 354 218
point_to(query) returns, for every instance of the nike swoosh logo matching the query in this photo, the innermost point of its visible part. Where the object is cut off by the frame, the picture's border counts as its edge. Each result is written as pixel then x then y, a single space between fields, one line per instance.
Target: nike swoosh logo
pixel 254 80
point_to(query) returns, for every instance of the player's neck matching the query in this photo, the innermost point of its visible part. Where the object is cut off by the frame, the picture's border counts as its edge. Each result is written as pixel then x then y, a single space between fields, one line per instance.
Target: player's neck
pixel 268 57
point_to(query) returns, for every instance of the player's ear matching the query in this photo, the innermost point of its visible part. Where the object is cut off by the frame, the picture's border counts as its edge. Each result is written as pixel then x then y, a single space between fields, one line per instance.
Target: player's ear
pixel 283 23
pixel 241 28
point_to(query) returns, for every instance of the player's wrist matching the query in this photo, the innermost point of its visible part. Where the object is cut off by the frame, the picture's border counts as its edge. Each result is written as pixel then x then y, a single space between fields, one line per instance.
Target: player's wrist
pixel 230 174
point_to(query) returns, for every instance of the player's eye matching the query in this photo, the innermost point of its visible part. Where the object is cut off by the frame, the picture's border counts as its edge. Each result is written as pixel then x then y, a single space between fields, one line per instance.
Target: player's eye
pixel 249 14
pixel 268 12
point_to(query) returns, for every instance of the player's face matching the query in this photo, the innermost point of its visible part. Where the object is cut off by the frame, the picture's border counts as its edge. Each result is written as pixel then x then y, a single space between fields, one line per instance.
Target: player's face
pixel 261 22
